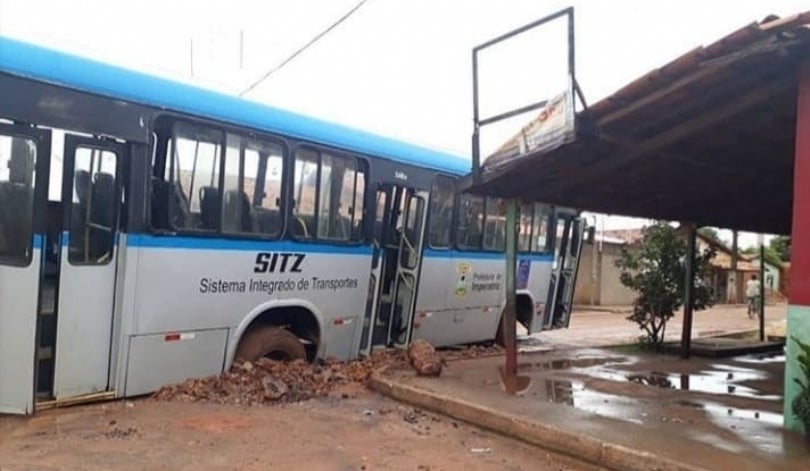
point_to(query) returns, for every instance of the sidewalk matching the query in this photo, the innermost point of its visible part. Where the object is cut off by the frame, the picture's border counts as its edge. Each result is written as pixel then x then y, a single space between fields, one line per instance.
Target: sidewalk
pixel 606 328
pixel 623 412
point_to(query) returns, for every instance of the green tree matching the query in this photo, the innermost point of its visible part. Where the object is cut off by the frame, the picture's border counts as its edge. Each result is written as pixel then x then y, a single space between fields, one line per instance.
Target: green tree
pixel 711 234
pixel 655 269
pixel 781 245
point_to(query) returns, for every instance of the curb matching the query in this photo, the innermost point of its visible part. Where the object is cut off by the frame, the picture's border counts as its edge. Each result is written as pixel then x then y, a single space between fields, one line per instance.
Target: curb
pixel 580 447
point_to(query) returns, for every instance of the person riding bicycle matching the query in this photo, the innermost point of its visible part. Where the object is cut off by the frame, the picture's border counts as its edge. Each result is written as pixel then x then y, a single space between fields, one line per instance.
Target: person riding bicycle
pixel 753 294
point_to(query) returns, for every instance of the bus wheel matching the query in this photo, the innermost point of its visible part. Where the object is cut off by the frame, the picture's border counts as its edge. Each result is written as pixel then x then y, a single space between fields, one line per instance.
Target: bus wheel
pixel 275 343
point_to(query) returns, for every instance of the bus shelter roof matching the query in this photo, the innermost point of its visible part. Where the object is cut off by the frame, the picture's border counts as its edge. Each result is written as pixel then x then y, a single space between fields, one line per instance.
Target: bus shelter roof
pixel 707 138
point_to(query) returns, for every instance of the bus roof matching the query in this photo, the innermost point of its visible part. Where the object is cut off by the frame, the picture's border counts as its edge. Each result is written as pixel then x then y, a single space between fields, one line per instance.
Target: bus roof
pixel 47 65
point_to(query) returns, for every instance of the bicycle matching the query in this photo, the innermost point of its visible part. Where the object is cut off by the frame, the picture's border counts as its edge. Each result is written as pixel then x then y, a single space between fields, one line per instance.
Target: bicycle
pixel 753 306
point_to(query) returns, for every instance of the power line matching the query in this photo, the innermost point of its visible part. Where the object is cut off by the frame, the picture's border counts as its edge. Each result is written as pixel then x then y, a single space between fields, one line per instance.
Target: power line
pixel 303 48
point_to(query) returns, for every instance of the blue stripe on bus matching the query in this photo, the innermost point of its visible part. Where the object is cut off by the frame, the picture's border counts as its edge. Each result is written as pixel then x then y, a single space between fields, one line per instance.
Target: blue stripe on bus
pixel 205 243
pixel 64 239
pixel 211 243
pixel 468 255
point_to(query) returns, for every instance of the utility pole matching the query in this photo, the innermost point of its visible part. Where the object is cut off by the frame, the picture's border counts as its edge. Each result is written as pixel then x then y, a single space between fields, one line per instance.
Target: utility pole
pixel 689 292
pixel 761 240
pixel 731 285
pixel 241 49
pixel 191 56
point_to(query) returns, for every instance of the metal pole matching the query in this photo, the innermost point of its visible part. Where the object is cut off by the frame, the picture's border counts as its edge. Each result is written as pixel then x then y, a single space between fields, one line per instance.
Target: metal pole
pixel 476 143
pixel 509 317
pixel 688 292
pixel 734 256
pixel 241 49
pixel 762 290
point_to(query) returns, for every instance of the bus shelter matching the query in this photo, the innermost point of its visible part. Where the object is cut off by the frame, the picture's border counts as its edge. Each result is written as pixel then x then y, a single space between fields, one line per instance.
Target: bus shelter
pixel 719 136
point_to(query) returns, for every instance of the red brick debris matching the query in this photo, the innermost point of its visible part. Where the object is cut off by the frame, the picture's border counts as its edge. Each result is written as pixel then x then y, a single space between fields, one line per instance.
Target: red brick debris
pixel 267 382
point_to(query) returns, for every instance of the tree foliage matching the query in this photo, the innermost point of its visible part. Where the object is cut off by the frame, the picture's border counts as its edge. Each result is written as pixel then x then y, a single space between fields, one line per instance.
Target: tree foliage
pixel 711 234
pixel 781 246
pixel 655 268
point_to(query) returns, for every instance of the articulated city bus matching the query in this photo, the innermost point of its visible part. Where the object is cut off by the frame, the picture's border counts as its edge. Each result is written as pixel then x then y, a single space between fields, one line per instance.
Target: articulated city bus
pixel 152 231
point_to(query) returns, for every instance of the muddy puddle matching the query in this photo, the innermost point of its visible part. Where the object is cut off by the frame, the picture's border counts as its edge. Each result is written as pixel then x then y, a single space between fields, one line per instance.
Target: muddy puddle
pixel 572 363
pixel 718 379
pixel 576 394
pixel 737 377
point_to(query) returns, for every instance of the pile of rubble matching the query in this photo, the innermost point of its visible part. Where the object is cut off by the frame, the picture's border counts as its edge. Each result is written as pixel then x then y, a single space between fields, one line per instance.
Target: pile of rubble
pixel 268 381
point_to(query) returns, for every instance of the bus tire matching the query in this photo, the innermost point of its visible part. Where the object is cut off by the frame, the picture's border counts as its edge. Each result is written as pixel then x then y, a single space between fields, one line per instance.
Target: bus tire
pixel 275 343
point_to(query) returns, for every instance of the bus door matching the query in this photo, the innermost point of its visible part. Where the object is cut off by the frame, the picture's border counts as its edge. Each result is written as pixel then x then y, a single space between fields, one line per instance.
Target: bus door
pixel 24 161
pixel 398 233
pixel 371 335
pixel 409 260
pixel 568 230
pixel 92 198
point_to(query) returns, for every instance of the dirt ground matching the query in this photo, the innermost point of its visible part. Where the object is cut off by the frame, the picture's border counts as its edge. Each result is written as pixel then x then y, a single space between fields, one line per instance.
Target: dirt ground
pixel 352 429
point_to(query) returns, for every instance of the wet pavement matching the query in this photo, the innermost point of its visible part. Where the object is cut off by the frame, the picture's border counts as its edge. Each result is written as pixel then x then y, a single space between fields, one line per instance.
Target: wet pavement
pixel 715 414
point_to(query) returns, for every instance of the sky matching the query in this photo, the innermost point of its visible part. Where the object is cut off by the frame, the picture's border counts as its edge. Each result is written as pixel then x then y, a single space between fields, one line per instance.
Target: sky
pixel 400 68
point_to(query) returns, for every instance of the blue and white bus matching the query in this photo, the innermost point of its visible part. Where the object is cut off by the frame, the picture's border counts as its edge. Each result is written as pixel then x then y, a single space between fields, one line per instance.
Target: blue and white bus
pixel 151 231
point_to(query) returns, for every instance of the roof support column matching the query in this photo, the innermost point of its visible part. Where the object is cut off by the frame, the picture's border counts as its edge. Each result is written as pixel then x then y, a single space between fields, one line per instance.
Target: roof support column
pixel 513 383
pixel 798 323
pixel 688 290
pixel 509 318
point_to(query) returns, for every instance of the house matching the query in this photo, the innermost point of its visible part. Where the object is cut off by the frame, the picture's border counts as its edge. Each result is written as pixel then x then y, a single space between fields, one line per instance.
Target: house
pixel 598 281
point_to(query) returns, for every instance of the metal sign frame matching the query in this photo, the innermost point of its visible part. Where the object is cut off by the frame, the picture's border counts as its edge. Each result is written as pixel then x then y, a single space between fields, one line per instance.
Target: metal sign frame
pixel 567 13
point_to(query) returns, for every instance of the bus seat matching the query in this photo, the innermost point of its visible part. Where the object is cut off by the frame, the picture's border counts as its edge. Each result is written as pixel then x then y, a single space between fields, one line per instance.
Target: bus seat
pixel 345 225
pixel 6 219
pixel 160 203
pixel 178 205
pixel 102 213
pixel 268 221
pixel 15 201
pixel 237 214
pixel 210 207
pixel 300 228
pixel 248 219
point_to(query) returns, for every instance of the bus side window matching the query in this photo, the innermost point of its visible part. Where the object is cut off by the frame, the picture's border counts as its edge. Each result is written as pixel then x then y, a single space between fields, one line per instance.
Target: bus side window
pixel 442 199
pixel 328 195
pixel 354 189
pixel 470 222
pixel 495 225
pixel 93 206
pixel 305 191
pixel 192 178
pixel 525 225
pixel 17 162
pixel 252 193
pixel 540 239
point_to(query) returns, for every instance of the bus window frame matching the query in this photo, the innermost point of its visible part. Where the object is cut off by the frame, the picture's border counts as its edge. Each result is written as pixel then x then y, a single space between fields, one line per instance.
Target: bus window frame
pixel 469 248
pixel 162 130
pixel 171 155
pixel 42 148
pixel 362 165
pixel 282 198
pixel 487 201
pixel 452 240
pixel 550 219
